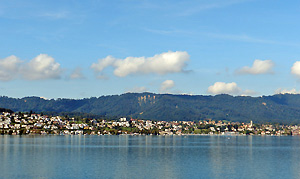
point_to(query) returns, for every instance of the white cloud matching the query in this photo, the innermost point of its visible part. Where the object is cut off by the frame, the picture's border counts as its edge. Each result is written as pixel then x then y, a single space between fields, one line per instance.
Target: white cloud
pixel 249 93
pixel 258 67
pixel 41 67
pixel 295 70
pixel 286 91
pixel 224 88
pixel 128 66
pixel 169 62
pixel 138 89
pixel 42 97
pixel 9 68
pixel 77 74
pixel 229 88
pixel 103 63
pixel 166 86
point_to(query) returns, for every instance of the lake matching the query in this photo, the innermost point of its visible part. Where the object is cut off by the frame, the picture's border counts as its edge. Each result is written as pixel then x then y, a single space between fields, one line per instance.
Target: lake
pixel 149 157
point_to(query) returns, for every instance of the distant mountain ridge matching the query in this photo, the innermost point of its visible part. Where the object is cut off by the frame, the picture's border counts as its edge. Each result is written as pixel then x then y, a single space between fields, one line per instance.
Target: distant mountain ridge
pixel 282 108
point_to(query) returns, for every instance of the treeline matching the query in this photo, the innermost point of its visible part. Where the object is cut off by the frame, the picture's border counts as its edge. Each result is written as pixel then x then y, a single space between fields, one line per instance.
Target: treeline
pixel 5 110
pixel 281 108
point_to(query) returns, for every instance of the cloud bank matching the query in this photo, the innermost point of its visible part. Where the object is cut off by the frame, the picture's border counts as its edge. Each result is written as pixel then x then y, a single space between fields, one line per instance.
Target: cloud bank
pixel 138 89
pixel 295 70
pixel 286 91
pixel 224 88
pixel 41 67
pixel 9 68
pixel 229 88
pixel 166 86
pixel 164 63
pixel 258 67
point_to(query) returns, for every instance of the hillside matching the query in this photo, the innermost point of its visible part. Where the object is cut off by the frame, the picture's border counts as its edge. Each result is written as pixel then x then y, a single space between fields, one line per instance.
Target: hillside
pixel 282 108
pixel 5 110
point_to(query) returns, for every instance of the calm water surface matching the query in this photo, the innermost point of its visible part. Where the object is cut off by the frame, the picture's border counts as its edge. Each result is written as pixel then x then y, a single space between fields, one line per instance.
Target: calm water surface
pixel 149 157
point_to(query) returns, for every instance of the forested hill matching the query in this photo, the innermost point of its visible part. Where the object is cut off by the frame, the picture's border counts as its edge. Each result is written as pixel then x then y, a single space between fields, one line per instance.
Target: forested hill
pixel 282 108
pixel 5 110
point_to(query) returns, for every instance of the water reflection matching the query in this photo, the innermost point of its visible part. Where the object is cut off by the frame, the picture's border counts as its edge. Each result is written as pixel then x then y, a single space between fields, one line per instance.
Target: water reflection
pixel 149 157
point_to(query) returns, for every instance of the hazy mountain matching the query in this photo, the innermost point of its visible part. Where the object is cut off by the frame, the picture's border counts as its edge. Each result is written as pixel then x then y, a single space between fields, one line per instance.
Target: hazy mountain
pixel 282 108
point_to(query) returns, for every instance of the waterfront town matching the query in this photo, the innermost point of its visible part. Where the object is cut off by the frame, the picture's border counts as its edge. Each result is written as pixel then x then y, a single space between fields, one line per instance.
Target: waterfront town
pixel 31 124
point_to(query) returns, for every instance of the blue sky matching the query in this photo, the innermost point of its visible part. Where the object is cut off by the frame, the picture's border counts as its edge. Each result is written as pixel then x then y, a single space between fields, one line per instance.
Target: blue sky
pixel 79 49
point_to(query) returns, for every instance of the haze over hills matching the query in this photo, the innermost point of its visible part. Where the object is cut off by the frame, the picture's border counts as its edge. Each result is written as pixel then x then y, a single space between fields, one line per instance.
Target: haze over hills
pixel 282 108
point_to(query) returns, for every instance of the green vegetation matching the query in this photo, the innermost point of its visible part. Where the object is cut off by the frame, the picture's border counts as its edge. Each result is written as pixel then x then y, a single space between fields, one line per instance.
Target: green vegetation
pixel 281 108
pixel 5 110
pixel 32 123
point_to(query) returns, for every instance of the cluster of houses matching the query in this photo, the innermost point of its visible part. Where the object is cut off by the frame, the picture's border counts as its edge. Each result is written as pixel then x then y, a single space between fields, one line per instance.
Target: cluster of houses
pixel 27 123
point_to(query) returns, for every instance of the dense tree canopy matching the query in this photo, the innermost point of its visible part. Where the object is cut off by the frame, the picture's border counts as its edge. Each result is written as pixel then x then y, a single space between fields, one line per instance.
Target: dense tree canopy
pixel 281 108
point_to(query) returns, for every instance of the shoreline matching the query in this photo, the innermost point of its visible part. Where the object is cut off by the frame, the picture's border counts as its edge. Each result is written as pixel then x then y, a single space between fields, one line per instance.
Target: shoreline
pixel 183 135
